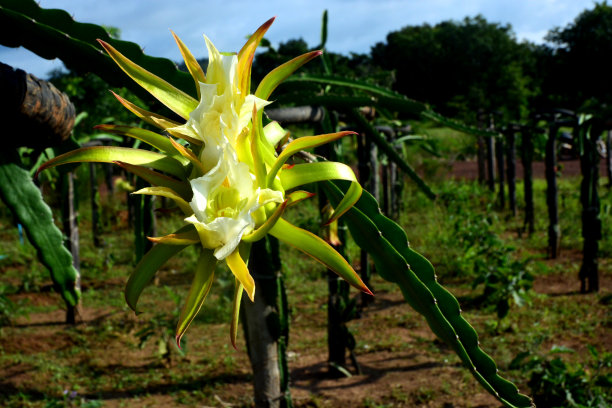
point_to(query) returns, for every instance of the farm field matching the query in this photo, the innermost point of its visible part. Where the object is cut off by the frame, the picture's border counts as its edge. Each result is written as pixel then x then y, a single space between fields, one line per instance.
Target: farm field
pixel 421 221
pixel 104 360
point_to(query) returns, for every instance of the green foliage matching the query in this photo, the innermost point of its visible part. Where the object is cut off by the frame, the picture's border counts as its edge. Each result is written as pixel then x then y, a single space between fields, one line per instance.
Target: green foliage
pixel 7 307
pixel 161 327
pixel 448 144
pixel 556 383
pixel 483 255
pixel 605 215
pixel 71 399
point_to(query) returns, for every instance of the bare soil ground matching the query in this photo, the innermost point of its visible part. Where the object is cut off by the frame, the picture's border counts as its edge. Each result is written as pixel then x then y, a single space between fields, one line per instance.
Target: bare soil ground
pixel 402 364
pixel 468 170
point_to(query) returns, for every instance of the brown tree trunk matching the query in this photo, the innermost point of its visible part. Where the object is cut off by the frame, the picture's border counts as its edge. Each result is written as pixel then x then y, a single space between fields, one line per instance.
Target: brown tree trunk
pixel 552 194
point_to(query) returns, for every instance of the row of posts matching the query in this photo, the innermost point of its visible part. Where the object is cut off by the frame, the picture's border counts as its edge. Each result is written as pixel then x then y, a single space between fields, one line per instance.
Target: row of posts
pixel 585 139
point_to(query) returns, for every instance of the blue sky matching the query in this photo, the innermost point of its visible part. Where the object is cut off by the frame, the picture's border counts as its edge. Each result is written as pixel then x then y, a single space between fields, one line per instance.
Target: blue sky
pixel 354 25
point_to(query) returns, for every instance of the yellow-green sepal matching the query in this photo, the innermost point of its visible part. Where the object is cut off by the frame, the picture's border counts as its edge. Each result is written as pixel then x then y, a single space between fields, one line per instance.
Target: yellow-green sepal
pixel 183 238
pixel 298 196
pixel 176 132
pixel 263 230
pixel 192 64
pixel 175 99
pixel 321 171
pixel 161 143
pixel 350 198
pixel 259 166
pixel 168 193
pixel 269 83
pixel 181 187
pixel 111 154
pixel 306 142
pixel 246 54
pixel 238 289
pixel 189 155
pixel 318 249
pixel 243 146
pixel 274 133
pixel 146 268
pixel 149 117
pixel 241 272
pixel 200 286
pixel 305 173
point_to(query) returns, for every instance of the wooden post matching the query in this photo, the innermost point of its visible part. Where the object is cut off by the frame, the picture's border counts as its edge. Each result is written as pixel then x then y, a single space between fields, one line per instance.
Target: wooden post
pixel 481 148
pixel 591 223
pixel 393 191
pixel 35 108
pixel 393 196
pixel 490 141
pixel 365 174
pixel 552 193
pixel 71 229
pixel 555 121
pixel 384 186
pixel 95 208
pixel 480 157
pixel 511 168
pixel 609 157
pixel 386 179
pixel 338 301
pixel 266 327
pixel 336 336
pixel 490 162
pixel 398 186
pixel 144 220
pixel 108 177
pixel 499 152
pixel 527 160
pixel 375 172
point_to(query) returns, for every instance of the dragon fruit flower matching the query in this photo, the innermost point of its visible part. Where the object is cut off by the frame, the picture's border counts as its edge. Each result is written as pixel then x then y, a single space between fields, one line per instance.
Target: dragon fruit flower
pixel 221 167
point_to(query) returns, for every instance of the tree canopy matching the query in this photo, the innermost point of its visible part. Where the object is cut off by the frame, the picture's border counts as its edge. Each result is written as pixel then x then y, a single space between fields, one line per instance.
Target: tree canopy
pixel 458 67
pixel 578 73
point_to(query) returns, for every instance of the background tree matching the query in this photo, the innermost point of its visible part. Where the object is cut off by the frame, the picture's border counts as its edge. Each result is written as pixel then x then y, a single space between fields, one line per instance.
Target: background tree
pixel 462 67
pixel 578 75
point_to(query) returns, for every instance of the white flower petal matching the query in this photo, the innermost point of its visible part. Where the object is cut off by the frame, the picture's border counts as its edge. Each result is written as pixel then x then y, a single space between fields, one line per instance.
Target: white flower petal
pixel 203 188
pixel 232 231
pixel 246 110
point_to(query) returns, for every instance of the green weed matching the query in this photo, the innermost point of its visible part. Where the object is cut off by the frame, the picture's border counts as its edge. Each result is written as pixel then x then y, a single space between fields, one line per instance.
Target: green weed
pixel 7 308
pixel 161 327
pixel 555 383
